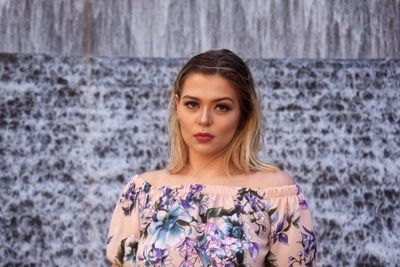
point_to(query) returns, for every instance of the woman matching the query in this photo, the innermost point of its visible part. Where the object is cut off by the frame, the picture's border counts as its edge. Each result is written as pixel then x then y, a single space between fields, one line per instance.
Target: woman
pixel 216 203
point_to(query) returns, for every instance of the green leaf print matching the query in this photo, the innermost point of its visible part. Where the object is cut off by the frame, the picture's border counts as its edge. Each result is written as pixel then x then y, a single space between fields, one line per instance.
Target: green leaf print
pixel 217 212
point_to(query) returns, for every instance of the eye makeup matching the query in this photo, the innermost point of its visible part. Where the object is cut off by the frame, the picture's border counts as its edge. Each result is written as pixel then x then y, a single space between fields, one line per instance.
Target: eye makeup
pixel 219 107
pixel 191 104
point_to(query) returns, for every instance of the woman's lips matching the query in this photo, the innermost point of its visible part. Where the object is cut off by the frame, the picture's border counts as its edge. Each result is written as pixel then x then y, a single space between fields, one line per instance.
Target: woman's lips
pixel 203 137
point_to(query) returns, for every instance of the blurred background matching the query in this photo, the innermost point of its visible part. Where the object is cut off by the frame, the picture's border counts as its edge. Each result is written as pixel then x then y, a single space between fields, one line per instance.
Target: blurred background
pixel 84 87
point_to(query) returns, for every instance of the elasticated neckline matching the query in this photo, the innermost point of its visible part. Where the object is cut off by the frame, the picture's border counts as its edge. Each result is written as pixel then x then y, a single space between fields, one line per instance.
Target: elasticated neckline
pixel 271 192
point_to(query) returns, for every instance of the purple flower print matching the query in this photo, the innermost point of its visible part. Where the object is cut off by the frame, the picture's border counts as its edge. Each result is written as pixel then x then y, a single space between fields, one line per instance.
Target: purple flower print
pixel 308 255
pixel 247 197
pixel 309 243
pixel 215 249
pixel 250 202
pixel 279 234
pixel 255 202
pixel 253 250
pixel 303 204
pixel 228 241
pixel 195 199
pixel 187 263
pixel 128 199
pixel 155 256
pixel 188 252
pixel 167 198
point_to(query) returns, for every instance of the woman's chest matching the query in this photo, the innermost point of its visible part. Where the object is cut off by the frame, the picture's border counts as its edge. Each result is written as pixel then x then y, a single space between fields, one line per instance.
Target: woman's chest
pixel 198 227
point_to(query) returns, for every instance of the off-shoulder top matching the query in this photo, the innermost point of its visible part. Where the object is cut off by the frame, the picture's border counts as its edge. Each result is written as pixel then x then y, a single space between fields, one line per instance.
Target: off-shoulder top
pixel 211 225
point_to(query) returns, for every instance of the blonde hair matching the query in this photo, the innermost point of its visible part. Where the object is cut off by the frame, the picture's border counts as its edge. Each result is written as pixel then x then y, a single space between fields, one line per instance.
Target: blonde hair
pixel 243 149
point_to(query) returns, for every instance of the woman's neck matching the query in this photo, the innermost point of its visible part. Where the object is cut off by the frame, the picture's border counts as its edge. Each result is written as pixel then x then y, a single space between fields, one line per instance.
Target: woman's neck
pixel 200 165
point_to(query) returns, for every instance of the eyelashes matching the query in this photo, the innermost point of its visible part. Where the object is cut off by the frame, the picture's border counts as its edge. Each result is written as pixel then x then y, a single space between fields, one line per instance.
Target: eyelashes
pixel 191 104
pixel 219 107
pixel 223 108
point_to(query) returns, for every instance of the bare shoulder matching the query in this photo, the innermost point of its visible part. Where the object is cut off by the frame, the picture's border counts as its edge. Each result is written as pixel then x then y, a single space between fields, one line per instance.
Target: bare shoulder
pixel 153 177
pixel 274 179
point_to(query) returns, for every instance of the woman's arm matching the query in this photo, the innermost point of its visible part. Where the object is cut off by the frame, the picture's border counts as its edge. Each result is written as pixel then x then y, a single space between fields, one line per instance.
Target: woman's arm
pixel 292 238
pixel 124 227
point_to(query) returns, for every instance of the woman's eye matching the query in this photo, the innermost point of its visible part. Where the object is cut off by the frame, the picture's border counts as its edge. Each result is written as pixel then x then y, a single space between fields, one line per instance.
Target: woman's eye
pixel 191 104
pixel 223 108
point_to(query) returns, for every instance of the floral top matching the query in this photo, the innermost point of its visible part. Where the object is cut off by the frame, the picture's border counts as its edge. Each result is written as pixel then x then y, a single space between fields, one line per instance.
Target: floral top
pixel 211 225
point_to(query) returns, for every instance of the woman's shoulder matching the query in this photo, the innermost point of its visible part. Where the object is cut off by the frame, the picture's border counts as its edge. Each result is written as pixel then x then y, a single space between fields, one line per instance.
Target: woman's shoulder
pixel 153 176
pixel 270 179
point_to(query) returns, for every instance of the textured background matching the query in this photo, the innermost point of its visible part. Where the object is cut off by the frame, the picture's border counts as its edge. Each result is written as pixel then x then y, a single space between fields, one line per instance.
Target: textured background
pixel 179 28
pixel 72 134
pixel 75 128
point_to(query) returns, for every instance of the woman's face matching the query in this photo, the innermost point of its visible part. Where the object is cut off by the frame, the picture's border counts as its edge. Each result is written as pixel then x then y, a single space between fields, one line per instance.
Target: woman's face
pixel 208 113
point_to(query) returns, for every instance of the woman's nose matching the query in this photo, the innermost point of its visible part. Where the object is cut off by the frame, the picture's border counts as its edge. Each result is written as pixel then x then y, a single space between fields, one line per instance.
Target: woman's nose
pixel 205 117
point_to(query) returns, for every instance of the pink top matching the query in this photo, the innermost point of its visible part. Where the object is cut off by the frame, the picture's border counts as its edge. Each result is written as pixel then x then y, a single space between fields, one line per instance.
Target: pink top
pixel 211 225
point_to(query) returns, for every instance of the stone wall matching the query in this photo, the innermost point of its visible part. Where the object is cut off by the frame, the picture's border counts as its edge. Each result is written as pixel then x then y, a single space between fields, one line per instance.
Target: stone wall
pixel 74 130
pixel 175 29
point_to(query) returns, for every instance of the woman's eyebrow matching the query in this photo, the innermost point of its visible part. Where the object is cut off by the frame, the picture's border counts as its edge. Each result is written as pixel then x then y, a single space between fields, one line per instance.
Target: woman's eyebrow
pixel 215 100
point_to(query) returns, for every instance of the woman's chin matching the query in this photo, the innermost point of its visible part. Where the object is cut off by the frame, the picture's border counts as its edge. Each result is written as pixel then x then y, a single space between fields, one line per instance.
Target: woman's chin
pixel 206 150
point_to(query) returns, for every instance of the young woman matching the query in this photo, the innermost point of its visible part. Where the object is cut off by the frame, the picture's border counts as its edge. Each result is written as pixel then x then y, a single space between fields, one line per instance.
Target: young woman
pixel 216 203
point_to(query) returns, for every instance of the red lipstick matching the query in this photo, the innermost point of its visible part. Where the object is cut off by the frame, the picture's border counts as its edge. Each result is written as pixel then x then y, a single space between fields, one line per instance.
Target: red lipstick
pixel 203 137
